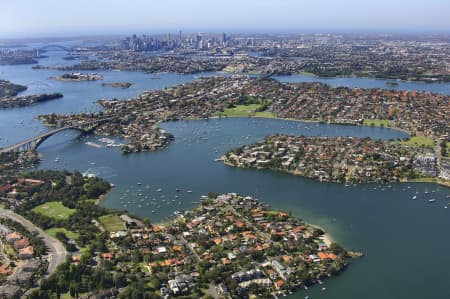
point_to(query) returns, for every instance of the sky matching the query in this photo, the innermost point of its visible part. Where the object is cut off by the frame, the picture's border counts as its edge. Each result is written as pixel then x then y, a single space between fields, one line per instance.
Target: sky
pixel 46 18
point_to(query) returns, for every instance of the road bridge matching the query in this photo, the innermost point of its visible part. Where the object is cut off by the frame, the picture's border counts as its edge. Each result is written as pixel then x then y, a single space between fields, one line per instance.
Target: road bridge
pixel 31 144
pixel 53 47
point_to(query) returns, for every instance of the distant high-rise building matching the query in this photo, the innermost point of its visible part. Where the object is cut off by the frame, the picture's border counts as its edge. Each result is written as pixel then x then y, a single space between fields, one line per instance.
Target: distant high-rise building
pixel 224 38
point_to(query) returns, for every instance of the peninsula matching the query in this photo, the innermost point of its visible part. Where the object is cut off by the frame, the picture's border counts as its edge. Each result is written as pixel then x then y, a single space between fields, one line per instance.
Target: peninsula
pixel 337 159
pixel 21 101
pixel 8 89
pixel 235 246
pixel 424 115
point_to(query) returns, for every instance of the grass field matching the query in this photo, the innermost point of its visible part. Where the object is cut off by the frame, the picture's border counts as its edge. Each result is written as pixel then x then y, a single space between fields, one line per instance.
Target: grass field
pixel 264 114
pixel 244 111
pixel 54 209
pixel 112 222
pixel 419 141
pixel 52 232
pixel 424 180
pixel 448 149
pixel 378 122
pixel 9 250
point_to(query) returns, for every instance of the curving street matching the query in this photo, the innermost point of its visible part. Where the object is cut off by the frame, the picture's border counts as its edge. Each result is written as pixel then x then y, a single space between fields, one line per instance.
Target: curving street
pixel 57 253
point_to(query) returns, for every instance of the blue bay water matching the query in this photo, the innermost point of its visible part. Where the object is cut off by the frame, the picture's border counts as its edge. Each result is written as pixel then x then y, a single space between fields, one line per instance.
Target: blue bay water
pixel 405 241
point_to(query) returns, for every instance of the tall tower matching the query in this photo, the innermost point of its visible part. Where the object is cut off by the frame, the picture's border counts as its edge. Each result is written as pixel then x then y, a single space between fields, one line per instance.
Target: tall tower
pixel 224 38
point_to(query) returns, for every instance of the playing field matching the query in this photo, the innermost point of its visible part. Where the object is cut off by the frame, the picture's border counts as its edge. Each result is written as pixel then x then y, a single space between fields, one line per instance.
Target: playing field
pixel 112 223
pixel 419 141
pixel 54 209
pixel 244 111
pixel 377 122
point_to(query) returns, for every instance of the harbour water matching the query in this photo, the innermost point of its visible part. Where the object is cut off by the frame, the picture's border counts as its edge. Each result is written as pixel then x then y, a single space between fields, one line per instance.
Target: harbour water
pixel 405 241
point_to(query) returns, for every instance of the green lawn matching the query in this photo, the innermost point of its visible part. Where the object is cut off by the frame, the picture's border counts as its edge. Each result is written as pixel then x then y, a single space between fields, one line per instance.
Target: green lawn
pixel 52 232
pixel 424 180
pixel 9 250
pixel 419 141
pixel 378 122
pixel 243 111
pixel 448 149
pixel 54 209
pixel 273 213
pixel 112 223
pixel 264 114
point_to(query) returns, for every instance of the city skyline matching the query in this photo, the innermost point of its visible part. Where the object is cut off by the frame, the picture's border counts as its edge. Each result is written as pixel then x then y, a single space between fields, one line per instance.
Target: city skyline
pixel 57 18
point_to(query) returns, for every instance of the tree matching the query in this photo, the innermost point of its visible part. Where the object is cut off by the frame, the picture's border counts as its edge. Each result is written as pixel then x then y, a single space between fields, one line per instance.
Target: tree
pixel 337 249
pixel 73 289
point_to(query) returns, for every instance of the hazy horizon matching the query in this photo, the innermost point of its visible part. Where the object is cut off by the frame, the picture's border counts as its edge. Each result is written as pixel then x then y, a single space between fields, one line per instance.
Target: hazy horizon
pixel 51 18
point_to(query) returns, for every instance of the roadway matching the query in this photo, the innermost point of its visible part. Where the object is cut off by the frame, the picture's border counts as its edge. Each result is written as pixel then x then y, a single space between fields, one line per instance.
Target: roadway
pixel 50 133
pixel 212 288
pixel 57 253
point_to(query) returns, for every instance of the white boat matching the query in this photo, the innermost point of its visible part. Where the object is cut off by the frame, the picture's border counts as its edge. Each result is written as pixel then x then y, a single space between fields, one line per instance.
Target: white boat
pixel 93 144
pixel 158 190
pixel 415 197
pixel 189 191
pixel 432 200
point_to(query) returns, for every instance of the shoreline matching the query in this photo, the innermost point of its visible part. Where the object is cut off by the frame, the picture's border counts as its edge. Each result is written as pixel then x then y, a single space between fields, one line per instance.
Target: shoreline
pixel 326 237
pixel 368 77
pixel 309 121
pixel 223 160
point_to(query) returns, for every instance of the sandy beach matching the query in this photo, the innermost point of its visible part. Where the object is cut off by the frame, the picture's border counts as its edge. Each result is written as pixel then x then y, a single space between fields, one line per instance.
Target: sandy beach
pixel 326 237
